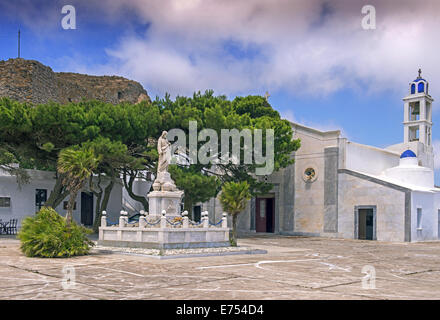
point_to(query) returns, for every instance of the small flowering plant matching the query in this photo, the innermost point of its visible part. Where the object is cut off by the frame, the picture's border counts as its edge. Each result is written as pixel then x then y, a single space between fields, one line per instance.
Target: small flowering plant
pixel 176 222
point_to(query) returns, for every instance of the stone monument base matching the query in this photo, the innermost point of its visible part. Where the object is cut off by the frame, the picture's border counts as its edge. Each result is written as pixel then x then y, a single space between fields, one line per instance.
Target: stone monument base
pixel 169 238
pixel 164 233
pixel 169 201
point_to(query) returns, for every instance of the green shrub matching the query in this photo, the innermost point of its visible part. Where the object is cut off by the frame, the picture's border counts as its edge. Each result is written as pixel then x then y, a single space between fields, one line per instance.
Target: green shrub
pixel 46 235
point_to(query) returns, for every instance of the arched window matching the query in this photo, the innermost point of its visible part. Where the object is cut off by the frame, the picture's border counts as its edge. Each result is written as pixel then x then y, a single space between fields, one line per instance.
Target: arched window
pixel 421 87
pixel 413 88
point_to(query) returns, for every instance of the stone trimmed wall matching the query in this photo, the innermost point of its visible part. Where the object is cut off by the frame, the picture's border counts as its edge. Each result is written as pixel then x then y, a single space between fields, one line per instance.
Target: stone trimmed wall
pixel 391 202
pixel 30 81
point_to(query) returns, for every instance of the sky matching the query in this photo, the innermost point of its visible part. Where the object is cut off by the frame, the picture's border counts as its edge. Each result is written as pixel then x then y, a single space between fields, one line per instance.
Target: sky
pixel 319 65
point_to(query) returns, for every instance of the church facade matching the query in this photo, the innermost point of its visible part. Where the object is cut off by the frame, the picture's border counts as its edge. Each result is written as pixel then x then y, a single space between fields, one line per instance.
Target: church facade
pixel 342 189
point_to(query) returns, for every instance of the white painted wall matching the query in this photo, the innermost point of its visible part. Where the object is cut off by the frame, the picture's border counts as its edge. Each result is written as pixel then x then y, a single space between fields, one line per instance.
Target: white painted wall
pixel 429 202
pixel 409 172
pixel 23 199
pixel 369 159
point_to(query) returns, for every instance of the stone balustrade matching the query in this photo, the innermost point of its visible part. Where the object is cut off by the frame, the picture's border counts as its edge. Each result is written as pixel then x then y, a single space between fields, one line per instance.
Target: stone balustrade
pixel 163 222
pixel 164 232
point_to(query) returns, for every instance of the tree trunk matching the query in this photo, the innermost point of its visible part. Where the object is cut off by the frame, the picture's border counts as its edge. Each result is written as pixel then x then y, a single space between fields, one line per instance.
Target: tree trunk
pixel 234 230
pixel 129 187
pixel 98 211
pixel 98 194
pixel 188 206
pixel 58 193
pixel 102 205
pixel 70 207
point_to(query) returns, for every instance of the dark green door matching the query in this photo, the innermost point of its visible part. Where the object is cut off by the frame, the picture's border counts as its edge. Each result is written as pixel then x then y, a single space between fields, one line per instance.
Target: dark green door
pixel 366 224
pixel 197 213
pixel 86 209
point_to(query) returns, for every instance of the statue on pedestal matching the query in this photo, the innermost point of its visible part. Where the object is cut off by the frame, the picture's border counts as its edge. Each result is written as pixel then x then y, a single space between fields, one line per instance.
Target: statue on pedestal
pixel 163 180
pixel 165 196
pixel 164 150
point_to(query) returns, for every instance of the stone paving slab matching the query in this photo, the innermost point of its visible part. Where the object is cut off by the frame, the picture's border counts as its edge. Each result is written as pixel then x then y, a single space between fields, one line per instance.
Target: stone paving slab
pixel 293 268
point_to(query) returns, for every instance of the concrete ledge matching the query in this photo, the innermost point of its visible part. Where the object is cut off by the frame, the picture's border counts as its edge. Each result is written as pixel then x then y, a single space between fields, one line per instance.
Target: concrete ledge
pixel 158 245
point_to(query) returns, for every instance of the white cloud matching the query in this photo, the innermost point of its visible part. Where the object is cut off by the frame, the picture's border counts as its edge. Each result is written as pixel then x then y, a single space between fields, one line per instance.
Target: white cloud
pixel 313 47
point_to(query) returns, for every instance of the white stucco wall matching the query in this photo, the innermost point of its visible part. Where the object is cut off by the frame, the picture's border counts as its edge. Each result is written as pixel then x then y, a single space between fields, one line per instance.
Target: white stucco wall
pixel 369 159
pixel 23 199
pixel 430 204
pixel 410 173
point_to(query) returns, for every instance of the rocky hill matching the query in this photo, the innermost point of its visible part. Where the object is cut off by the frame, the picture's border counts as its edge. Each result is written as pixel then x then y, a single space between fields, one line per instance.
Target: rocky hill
pixel 31 81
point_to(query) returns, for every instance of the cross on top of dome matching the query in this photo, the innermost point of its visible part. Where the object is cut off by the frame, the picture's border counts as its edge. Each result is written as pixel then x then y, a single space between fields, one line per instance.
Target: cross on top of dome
pixel 419 78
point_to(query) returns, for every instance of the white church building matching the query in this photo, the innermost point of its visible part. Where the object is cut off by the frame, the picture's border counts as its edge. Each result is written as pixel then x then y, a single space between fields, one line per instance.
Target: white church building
pixel 339 188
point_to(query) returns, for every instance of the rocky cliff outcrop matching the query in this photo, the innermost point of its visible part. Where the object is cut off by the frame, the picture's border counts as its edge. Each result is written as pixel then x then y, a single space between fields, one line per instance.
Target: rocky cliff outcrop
pixel 30 81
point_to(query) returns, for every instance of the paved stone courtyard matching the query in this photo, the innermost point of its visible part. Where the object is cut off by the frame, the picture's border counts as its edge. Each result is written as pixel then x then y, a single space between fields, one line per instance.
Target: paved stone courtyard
pixel 293 268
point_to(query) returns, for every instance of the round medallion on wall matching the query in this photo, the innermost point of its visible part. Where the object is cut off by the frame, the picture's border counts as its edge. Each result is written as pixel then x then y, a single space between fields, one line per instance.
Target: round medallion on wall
pixel 310 174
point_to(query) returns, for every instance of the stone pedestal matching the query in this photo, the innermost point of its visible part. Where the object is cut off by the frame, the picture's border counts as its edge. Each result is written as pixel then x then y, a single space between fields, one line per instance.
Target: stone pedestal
pixel 165 200
pixel 164 182
pixel 165 196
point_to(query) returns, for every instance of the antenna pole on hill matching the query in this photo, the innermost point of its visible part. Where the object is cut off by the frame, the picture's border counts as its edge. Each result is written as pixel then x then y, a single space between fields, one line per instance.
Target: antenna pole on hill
pixel 19 43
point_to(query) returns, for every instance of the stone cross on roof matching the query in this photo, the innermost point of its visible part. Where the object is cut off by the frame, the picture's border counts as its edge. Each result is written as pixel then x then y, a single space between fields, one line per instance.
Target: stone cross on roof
pixel 267 95
pixel 420 74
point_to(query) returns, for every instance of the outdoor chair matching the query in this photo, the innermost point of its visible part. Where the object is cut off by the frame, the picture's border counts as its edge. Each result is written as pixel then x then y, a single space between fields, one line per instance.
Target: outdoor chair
pixel 12 227
pixel 4 227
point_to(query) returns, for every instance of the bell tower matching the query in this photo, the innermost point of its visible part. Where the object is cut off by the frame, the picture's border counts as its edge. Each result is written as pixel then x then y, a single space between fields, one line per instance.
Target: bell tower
pixel 418 113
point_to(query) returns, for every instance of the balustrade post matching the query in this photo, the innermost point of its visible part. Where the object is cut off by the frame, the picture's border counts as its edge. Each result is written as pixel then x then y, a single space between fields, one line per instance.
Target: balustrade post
pixel 163 219
pixel 122 223
pixel 104 219
pixel 205 219
pixel 142 219
pixel 126 217
pixel 185 223
pixel 225 220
